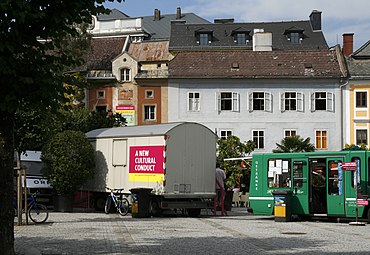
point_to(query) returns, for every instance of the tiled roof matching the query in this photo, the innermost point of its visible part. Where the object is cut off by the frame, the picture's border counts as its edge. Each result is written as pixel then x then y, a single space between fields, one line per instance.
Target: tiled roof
pixel 359 62
pixel 149 51
pixel 255 64
pixel 161 29
pixel 183 35
pixel 102 52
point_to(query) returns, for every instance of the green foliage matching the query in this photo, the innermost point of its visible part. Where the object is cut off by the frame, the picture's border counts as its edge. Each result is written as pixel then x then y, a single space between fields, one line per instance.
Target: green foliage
pixel 232 147
pixel 294 144
pixel 353 147
pixel 69 161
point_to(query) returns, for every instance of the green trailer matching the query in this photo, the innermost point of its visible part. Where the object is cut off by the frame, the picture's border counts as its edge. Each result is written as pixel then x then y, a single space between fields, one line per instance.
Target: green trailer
pixel 331 184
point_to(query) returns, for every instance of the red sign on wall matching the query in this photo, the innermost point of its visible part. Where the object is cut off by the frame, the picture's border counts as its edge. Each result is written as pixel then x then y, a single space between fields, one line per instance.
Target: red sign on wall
pixel 349 166
pixel 146 159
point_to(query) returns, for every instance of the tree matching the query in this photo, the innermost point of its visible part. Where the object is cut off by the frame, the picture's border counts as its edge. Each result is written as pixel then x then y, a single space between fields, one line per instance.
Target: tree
pixel 232 147
pixel 68 161
pixel 35 50
pixel 294 144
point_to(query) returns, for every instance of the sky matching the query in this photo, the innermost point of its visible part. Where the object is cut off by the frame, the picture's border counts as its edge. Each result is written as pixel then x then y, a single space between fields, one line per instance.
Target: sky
pixel 338 16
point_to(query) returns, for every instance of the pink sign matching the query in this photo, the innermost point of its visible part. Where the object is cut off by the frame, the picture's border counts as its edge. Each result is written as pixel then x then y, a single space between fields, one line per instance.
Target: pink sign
pixel 146 159
pixel 125 107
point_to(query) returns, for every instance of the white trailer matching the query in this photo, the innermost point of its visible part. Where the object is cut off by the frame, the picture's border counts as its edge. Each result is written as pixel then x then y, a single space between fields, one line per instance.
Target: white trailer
pixel 176 160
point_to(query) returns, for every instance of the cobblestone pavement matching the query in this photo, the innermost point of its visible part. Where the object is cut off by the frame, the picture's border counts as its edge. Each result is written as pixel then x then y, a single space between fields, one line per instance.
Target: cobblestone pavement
pixel 238 233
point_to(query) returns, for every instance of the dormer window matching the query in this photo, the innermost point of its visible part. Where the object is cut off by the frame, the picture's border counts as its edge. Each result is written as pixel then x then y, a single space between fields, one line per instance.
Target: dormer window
pixel 204 37
pixel 294 35
pixel 241 36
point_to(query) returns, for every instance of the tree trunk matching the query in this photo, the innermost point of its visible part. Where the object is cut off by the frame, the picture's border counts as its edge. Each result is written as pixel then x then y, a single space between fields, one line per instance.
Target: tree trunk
pixel 6 183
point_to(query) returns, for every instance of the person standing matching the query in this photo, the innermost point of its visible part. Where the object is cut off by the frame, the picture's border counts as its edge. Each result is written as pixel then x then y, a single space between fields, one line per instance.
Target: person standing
pixel 220 186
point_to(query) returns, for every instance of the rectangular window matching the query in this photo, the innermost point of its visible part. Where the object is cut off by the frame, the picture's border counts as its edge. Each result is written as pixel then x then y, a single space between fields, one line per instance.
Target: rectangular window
pixel 290 101
pixel 259 138
pixel 333 174
pixel 260 101
pixel 240 39
pixel 361 136
pixel 203 39
pixel 149 113
pixel 125 74
pixel 298 174
pixel 322 101
pixel 149 94
pixel 228 101
pixel 101 108
pixel 290 132
pixel 194 101
pixel 361 99
pixel 295 37
pixel 225 133
pixel 279 173
pixel 100 94
pixel 321 139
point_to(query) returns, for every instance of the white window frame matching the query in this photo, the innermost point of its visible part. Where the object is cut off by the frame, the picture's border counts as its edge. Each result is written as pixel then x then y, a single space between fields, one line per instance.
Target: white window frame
pixel 290 131
pixel 355 100
pixel 258 146
pixel 193 103
pixel 267 101
pixel 228 132
pixel 147 92
pixel 367 135
pixel 150 113
pixel 123 74
pixel 100 91
pixel 235 101
pixel 329 101
pixel 299 101
pixel 327 139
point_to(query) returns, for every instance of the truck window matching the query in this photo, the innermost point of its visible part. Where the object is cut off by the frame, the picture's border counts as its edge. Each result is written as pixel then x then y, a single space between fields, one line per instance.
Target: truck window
pixel 278 173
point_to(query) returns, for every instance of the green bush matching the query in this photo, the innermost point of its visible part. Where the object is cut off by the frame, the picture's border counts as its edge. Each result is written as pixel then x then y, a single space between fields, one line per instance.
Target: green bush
pixel 68 161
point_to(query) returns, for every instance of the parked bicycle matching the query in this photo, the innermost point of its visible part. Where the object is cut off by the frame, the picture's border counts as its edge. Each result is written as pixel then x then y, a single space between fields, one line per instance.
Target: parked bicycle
pixel 120 202
pixel 38 213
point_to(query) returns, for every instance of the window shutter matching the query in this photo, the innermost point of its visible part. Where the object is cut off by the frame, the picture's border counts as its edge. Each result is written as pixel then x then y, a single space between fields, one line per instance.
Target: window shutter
pixel 313 102
pixel 300 102
pixel 330 101
pixel 189 102
pixel 236 100
pixel 268 102
pixel 250 102
pixel 196 104
pixel 282 101
pixel 218 102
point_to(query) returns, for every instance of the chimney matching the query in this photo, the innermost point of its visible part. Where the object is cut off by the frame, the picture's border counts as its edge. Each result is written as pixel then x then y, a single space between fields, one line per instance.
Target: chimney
pixel 178 13
pixel 262 41
pixel 315 19
pixel 157 14
pixel 347 44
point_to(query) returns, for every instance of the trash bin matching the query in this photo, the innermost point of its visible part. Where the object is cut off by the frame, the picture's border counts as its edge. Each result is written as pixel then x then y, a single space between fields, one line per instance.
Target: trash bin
pixel 140 202
pixel 282 205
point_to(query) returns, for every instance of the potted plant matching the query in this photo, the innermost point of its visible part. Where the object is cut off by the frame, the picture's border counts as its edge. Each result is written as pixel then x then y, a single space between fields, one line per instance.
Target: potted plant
pixel 68 163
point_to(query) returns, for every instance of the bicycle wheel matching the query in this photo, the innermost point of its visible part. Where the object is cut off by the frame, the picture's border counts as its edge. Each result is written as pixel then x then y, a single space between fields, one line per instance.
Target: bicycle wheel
pixel 123 206
pixel 38 213
pixel 108 204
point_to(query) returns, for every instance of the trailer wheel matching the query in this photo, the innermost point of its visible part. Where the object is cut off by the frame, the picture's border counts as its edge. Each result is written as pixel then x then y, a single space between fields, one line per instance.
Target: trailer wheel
pixel 99 203
pixel 194 212
pixel 155 209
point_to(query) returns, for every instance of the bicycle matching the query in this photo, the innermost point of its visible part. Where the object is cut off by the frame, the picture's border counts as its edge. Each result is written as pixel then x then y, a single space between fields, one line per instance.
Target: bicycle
pixel 38 213
pixel 121 203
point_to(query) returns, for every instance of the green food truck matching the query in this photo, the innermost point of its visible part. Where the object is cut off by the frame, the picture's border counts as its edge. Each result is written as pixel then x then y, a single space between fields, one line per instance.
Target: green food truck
pixel 331 184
